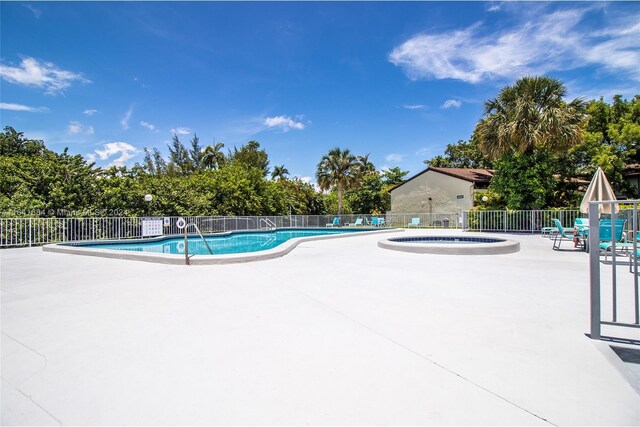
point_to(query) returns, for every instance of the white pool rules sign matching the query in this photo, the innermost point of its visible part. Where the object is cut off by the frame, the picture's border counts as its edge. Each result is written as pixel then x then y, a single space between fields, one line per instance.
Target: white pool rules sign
pixel 152 226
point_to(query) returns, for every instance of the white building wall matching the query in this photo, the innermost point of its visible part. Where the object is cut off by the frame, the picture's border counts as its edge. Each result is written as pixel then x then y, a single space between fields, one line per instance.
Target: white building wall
pixel 448 194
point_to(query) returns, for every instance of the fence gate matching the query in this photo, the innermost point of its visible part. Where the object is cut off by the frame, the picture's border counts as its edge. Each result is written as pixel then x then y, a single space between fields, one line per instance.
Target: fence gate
pixel 614 291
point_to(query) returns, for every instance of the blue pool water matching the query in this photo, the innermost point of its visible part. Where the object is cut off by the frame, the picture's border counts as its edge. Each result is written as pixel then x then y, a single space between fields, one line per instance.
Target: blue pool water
pixel 447 239
pixel 234 243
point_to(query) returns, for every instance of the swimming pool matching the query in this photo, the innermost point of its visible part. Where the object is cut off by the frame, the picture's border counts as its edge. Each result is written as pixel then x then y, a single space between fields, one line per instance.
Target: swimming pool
pixel 232 243
pixel 239 246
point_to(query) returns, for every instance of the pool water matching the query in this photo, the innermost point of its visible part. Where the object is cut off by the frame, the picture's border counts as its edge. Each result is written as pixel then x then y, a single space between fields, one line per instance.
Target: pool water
pixel 234 243
pixel 450 240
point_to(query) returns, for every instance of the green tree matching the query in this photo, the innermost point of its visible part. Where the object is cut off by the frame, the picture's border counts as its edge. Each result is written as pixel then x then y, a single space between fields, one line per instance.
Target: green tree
pixel 148 165
pixel 524 181
pixel 250 155
pixel 339 170
pixel 213 157
pixel 524 131
pixel 120 192
pixel 368 196
pixel 179 161
pixel 279 172
pixel 13 143
pixel 528 115
pixel 366 166
pixel 462 154
pixel 302 198
pixel 611 141
pixel 393 176
pixel 195 153
pixel 159 163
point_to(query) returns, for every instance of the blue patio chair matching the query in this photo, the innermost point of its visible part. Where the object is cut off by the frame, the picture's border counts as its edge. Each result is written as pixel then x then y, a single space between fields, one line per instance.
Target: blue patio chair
pixel 561 235
pixel 548 231
pixel 606 239
pixel 581 223
pixel 415 222
pixel 335 223
pixel 374 221
pixel 357 223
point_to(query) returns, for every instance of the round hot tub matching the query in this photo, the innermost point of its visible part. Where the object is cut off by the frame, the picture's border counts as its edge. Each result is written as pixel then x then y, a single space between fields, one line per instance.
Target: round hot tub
pixel 451 245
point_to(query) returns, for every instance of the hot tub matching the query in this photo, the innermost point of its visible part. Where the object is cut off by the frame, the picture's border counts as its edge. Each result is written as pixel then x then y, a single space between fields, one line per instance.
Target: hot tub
pixel 451 245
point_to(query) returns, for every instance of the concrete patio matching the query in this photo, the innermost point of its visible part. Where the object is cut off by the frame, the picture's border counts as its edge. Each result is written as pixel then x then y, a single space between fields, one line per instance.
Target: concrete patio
pixel 336 332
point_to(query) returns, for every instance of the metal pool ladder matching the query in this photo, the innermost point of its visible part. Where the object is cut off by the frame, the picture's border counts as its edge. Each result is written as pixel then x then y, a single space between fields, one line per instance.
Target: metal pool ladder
pixel 186 241
pixel 269 225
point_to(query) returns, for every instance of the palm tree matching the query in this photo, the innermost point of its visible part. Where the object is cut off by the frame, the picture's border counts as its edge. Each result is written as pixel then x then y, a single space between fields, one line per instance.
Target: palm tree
pixel 279 172
pixel 366 167
pixel 530 114
pixel 338 169
pixel 212 156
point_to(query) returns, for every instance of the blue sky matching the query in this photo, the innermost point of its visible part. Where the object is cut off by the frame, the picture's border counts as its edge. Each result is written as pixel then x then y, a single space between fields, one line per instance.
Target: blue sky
pixel 397 80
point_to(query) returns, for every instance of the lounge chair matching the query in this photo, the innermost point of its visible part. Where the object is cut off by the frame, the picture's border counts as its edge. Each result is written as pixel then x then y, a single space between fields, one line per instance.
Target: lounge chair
pixel 335 223
pixel 377 221
pixel 606 240
pixel 357 223
pixel 561 235
pixel 548 231
pixel 415 222
pixel 581 224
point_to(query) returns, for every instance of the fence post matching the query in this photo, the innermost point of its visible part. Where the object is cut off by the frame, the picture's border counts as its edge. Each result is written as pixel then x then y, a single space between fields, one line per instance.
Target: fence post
pixel 29 232
pixel 594 270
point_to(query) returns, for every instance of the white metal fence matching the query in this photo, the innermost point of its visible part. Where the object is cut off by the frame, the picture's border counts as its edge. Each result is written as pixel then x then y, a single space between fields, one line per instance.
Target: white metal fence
pixel 18 232
pixel 523 221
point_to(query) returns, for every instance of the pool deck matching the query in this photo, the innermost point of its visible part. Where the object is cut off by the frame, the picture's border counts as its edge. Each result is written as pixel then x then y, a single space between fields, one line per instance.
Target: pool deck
pixel 335 332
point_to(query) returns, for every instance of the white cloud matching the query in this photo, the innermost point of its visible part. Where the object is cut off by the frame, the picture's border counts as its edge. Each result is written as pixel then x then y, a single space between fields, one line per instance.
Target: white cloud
pixel 125 120
pixel 493 7
pixel 74 128
pixel 181 131
pixel 451 103
pixel 544 43
pixel 393 158
pixel 46 75
pixel 414 107
pixel 36 12
pixel 89 112
pixel 20 107
pixel 576 89
pixel 424 151
pixel 148 125
pixel 112 149
pixel 308 180
pixel 283 122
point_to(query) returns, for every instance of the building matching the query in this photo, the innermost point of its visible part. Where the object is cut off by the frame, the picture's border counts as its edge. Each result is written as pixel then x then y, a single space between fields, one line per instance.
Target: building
pixel 631 175
pixel 439 190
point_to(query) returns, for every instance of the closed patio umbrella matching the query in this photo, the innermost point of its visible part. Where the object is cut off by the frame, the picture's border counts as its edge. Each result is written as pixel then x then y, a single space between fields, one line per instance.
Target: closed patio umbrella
pixel 599 189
